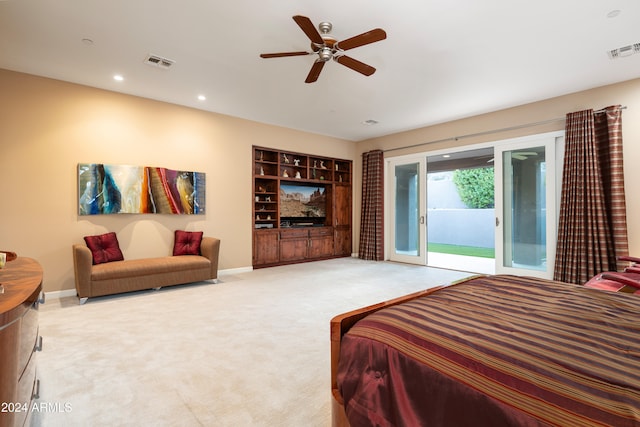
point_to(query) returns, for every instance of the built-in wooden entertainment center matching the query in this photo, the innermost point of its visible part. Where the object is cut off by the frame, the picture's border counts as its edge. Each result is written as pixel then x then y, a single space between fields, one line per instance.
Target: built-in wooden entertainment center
pixel 301 207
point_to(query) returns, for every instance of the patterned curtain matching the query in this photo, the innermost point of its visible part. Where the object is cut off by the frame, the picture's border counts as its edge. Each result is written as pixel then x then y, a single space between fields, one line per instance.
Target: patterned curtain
pixel 592 231
pixel 371 218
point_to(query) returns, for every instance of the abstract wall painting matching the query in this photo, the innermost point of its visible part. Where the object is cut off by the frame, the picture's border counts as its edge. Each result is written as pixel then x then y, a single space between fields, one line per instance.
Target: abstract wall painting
pixel 114 189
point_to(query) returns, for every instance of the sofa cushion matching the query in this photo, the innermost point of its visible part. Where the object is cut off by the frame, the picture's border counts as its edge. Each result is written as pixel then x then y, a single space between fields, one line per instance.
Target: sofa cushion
pixel 187 242
pixel 148 266
pixel 104 248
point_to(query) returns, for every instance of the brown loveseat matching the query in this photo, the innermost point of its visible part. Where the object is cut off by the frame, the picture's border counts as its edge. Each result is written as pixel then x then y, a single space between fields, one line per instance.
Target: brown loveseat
pixel 139 274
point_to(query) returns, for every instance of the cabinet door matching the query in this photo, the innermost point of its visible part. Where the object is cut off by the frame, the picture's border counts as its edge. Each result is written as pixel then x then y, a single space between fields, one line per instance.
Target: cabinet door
pixel 320 247
pixel 321 242
pixel 342 205
pixel 343 241
pixel 294 243
pixel 293 249
pixel 265 247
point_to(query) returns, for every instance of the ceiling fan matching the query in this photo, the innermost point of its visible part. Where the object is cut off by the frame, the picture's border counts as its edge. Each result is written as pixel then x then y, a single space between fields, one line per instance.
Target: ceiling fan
pixel 327 47
pixel 519 155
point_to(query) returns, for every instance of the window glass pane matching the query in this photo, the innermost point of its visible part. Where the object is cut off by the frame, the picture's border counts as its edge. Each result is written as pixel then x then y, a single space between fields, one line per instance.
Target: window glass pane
pixel 525 208
pixel 407 213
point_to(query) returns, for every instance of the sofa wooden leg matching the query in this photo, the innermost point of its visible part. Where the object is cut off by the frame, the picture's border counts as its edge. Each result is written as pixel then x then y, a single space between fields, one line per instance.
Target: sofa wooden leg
pixel 83 300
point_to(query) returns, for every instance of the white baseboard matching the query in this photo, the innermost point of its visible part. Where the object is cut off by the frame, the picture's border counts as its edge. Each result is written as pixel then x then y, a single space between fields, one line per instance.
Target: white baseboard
pixel 61 294
pixel 235 270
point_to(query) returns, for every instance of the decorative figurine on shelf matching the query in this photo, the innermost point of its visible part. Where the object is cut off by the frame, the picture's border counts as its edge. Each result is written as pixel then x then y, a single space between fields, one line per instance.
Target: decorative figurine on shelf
pixel 298 175
pixel 315 163
pixel 339 178
pixel 313 173
pixel 285 174
pixel 322 178
pixel 268 199
pixel 263 208
pixel 261 170
pixel 296 162
pixel 336 167
pixel 269 217
pixel 257 217
pixel 285 158
pixel 261 189
pixel 322 166
pixel 257 198
pixel 260 154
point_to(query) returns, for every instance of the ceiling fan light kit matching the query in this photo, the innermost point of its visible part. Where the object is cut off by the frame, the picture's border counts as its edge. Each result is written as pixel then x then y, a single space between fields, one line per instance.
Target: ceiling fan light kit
pixel 327 47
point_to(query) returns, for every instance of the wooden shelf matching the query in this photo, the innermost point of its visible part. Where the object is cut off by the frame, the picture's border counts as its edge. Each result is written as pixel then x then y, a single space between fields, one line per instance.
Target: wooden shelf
pixel 329 238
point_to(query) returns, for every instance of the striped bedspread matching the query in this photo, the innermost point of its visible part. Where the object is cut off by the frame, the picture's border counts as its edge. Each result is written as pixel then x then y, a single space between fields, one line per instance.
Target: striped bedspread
pixel 496 351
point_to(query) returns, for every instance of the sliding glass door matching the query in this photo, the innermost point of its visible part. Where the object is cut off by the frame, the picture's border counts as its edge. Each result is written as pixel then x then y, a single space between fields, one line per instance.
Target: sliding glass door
pixel 407 218
pixel 526 207
pixel 525 199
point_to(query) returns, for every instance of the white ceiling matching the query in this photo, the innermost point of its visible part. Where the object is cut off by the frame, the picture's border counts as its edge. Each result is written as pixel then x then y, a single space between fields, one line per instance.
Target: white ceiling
pixel 442 60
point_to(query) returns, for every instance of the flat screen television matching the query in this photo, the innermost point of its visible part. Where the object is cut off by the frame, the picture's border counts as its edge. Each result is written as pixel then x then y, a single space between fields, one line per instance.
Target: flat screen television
pixel 302 204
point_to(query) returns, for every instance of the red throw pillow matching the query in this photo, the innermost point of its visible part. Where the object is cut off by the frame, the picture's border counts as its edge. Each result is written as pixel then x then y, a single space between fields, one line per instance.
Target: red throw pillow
pixel 187 242
pixel 104 248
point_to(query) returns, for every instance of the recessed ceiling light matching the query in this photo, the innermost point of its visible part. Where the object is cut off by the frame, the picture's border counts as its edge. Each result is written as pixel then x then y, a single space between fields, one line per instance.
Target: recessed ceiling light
pixel 202 98
pixel 118 78
pixel 370 122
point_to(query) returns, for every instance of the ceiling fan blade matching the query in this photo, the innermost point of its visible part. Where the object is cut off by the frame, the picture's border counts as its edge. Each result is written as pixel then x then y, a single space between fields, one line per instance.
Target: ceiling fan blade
pixel 283 54
pixel 315 71
pixel 309 29
pixel 355 65
pixel 361 39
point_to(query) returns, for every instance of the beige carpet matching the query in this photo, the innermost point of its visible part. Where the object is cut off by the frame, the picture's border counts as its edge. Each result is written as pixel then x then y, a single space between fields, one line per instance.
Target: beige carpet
pixel 251 350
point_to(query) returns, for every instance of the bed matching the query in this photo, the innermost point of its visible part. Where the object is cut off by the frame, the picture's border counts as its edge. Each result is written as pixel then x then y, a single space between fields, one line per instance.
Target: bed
pixel 489 351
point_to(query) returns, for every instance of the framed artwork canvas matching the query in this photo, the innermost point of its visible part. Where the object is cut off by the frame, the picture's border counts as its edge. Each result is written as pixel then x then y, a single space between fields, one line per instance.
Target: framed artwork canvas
pixel 114 189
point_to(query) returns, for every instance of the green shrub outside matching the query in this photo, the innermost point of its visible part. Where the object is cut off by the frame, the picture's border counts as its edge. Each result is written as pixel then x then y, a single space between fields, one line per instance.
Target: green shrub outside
pixel 475 187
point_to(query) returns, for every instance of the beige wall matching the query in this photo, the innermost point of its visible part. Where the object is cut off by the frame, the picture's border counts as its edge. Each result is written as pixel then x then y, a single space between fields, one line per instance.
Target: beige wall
pixel 627 94
pixel 47 127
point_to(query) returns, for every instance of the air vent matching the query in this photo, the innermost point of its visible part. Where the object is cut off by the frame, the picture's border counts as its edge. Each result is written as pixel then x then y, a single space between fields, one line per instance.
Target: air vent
pixel 159 61
pixel 624 51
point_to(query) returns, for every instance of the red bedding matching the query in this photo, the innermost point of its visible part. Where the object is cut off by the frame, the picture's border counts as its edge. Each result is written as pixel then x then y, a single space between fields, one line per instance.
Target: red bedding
pixel 496 351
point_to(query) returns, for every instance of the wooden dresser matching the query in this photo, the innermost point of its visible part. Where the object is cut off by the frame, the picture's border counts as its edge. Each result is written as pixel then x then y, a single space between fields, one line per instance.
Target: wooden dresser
pixel 20 295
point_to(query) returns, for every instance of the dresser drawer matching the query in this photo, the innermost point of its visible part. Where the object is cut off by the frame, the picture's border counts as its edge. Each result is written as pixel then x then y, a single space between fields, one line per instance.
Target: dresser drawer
pixel 28 337
pixel 26 390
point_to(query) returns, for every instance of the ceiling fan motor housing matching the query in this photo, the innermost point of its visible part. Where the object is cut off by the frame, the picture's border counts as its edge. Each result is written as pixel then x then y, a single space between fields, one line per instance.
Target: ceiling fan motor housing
pixel 325 54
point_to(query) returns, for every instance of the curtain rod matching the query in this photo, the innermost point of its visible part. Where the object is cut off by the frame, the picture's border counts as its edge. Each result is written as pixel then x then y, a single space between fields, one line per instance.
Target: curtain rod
pixel 489 132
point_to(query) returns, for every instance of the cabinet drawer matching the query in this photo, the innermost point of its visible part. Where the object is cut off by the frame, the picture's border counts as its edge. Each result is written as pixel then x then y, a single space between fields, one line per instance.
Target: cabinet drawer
pixel 321 231
pixel 294 233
